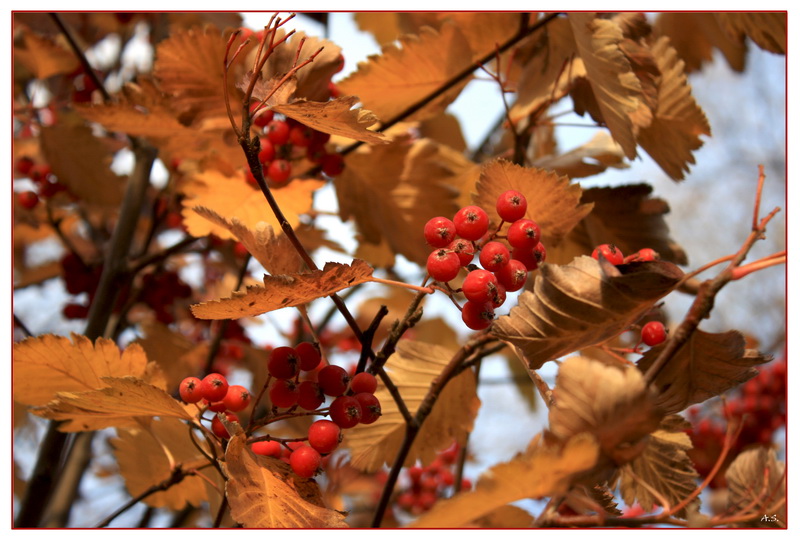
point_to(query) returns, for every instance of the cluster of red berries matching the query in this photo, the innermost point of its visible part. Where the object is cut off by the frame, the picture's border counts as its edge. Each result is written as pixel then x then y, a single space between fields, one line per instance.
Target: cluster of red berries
pixel 614 255
pixel 47 185
pixel 286 141
pixel 214 393
pixel 425 485
pixel 160 289
pixel 504 268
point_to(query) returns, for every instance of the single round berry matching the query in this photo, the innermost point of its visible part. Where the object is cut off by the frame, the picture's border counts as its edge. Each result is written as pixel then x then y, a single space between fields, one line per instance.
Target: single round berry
pixel 214 387
pixel 278 132
pixel 333 380
pixel 263 117
pixel 332 164
pixel 324 436
pixel 471 222
pixel 512 275
pixel 270 448
pixel 370 407
pixel 364 383
pixel 439 232
pixel 309 395
pixel 511 205
pixel 479 286
pixel 540 253
pixel 309 355
pixel 464 249
pixel 610 252
pixel 499 296
pixel 477 316
pixel 345 411
pixel 236 399
pixel 524 233
pixel 267 152
pixel 305 461
pixel 653 333
pixel 219 429
pixel 28 199
pixel 23 165
pixel 301 136
pixel 494 255
pixel 219 406
pixel 443 265
pixel 283 393
pixel 190 391
pixel 643 255
pixel 279 171
pixel 284 362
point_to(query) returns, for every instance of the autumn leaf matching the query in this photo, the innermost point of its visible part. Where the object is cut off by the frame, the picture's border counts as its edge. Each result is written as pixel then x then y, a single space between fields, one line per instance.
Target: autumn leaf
pixel 413 368
pixel 591 158
pixel 766 29
pixel 663 466
pixel 616 88
pixel 582 304
pixel 539 472
pixel 757 484
pixel 122 403
pixel 695 36
pixel 48 364
pixel 232 197
pixel 678 121
pixel 45 56
pixel 611 402
pixel 484 31
pixel 264 493
pixel 335 117
pixel 504 517
pixel 556 207
pixel 707 365
pixel 282 291
pixel 274 252
pixel 144 463
pixel 403 75
pixel 175 353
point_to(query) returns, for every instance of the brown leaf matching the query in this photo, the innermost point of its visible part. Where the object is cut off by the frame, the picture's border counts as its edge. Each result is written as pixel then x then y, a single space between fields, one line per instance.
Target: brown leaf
pixel 263 493
pixel 143 463
pixel 47 364
pixel 695 35
pixel 444 129
pixel 611 402
pixel 286 291
pixel 505 517
pixel 484 31
pixel 539 472
pixel 678 121
pixel 45 56
pixel 582 304
pixel 766 29
pixel 553 202
pixel 708 365
pixel 756 476
pixel 591 158
pixel 664 466
pixel 616 87
pixel 336 117
pixel 176 354
pixel 123 403
pixel 413 368
pixel 403 75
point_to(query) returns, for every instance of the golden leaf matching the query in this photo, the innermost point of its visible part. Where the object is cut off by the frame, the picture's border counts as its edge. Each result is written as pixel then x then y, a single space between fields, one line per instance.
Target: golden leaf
pixel 444 129
pixel 47 364
pixel 756 476
pixel 143 463
pixel 593 157
pixel 413 368
pixel 176 354
pixel 387 27
pixel 766 29
pixel 539 472
pixel 556 206
pixel 123 403
pixel 582 304
pixel 401 76
pixel 336 117
pixel 264 493
pixel 678 121
pixel 616 88
pixel 44 56
pixel 695 36
pixel 484 31
pixel 286 291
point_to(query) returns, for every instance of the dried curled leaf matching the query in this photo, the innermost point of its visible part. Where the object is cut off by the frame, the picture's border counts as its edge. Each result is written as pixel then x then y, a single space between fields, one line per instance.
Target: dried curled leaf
pixel 582 304
pixel 593 157
pixel 263 493
pixel 286 291
pixel 756 476
pixel 766 29
pixel 335 117
pixel 412 368
pixel 696 35
pixel 539 472
pixel 706 366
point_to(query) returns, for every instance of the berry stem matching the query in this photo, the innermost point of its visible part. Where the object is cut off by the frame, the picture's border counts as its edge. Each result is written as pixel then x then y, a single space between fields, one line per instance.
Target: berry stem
pixel 757 265
pixel 389 282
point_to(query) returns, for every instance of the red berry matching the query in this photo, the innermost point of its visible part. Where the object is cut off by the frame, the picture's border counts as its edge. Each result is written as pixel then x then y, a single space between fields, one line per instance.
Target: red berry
pixel 345 411
pixel 370 407
pixel 494 255
pixel 499 296
pixel 279 171
pixel 464 249
pixel 219 429
pixel 610 252
pixel 300 135
pixel 284 362
pixel 524 233
pixel 237 398
pixel 270 448
pixel 643 255
pixel 309 395
pixel 278 132
pixel 263 117
pixel 512 275
pixel 267 152
pixel 324 436
pixel 332 164
pixel 316 152
pixel 40 173
pixel 443 265
pixel 477 315
pixel 333 380
pixel 511 205
pixel 219 406
pixel 190 390
pixel 364 383
pixel 653 333
pixel 75 311
pixel 23 165
pixel 471 222
pixel 28 199
pixel 283 393
pixel 479 286
pixel 539 253
pixel 305 461
pixel 214 387
pixel 440 232
pixel 309 356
